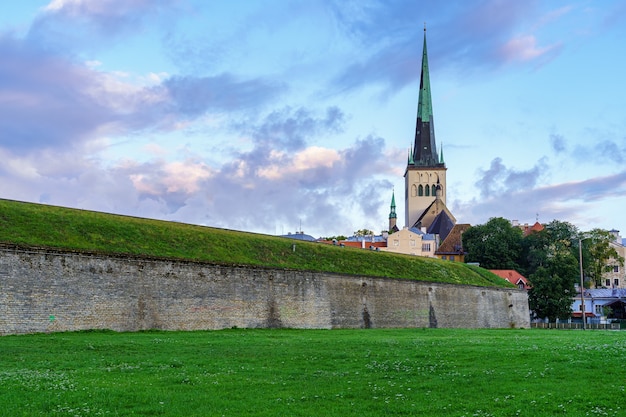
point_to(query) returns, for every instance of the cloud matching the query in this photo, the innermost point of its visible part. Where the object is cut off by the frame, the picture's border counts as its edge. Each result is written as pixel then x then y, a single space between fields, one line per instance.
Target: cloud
pixel 290 128
pixel 46 100
pixel 285 180
pixel 67 24
pixel 472 37
pixel 605 149
pixel 499 179
pixel 558 143
pixel 524 49
pixel 192 96
pixel 572 201
pixel 51 101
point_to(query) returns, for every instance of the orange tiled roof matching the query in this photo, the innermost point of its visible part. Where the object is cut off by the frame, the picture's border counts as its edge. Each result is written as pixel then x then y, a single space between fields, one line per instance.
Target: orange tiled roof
pixel 512 276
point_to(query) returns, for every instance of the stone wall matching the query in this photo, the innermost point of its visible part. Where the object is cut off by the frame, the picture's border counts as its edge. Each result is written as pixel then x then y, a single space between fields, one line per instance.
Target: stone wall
pixel 42 290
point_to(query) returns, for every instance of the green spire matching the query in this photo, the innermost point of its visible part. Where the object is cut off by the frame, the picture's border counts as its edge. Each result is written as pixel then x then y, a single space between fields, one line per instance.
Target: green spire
pixel 425 104
pixel 392 213
pixel 411 161
pixel 425 148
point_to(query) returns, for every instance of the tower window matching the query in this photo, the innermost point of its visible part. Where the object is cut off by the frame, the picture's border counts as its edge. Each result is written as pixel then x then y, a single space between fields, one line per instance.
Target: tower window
pixel 427 190
pixel 434 190
pixel 420 190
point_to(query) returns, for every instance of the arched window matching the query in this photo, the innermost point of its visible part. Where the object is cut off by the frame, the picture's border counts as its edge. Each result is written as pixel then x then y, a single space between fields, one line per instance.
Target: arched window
pixel 413 190
pixel 420 190
pixel 427 190
pixel 434 190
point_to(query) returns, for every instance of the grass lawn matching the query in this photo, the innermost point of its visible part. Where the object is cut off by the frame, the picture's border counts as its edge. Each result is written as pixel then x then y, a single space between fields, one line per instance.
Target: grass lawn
pixel 426 372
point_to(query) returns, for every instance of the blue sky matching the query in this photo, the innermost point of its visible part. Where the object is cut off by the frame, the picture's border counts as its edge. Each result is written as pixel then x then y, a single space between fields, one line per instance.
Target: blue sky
pixel 276 116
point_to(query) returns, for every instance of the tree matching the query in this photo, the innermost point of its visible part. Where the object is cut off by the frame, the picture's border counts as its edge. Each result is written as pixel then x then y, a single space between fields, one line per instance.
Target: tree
pixel 494 245
pixel 551 293
pixel 557 237
pixel 600 253
pixel 363 232
pixel 550 258
pixel 337 238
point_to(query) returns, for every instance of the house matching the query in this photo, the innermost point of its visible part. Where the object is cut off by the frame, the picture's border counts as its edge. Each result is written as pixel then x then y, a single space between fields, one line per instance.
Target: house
pixel 601 304
pixel 513 277
pixel 616 277
pixel 526 229
pixel 411 241
pixel 299 236
pixel 371 242
pixel 451 247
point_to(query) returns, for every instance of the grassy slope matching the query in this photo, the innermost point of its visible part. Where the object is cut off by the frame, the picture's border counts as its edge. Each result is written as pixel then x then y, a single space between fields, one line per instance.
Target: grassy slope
pixel 27 224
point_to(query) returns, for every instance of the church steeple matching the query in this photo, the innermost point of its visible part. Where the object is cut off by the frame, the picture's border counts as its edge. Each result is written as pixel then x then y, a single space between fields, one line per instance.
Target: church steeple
pixel 392 213
pixel 425 175
pixel 393 217
pixel 425 148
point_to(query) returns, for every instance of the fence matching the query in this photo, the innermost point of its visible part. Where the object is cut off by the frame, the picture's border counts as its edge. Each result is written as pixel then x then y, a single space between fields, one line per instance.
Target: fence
pixel 608 326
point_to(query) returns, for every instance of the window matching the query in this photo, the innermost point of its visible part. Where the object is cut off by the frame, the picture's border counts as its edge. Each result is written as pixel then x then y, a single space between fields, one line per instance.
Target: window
pixel 452 258
pixel 616 282
pixel 412 242
pixel 427 191
pixel 599 310
pixel 434 192
pixel 420 190
pixel 616 268
pixel 413 190
pixel 607 282
pixel 443 257
pixel 396 242
pixel 425 247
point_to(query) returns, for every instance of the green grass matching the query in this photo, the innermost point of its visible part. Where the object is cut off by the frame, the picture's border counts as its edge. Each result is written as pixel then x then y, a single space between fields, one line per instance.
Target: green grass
pixel 430 372
pixel 27 224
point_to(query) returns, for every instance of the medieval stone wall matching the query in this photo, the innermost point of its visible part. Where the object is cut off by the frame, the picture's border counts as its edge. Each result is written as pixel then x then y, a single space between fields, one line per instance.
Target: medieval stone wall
pixel 42 290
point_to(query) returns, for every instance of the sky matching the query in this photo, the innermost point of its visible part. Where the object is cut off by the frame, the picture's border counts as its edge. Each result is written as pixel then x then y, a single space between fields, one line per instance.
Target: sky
pixel 275 116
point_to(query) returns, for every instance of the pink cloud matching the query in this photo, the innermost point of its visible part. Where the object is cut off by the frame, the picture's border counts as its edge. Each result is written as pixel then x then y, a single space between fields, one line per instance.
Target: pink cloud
pixel 525 49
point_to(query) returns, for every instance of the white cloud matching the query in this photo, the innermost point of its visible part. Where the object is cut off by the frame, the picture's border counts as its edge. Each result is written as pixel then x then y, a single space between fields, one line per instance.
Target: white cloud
pixel 308 159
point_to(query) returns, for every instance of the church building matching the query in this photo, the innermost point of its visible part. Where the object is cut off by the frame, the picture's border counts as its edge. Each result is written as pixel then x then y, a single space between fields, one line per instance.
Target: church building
pixel 428 222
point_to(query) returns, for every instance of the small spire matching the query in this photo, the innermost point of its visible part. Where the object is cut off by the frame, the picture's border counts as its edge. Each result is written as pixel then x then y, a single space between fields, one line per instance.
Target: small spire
pixel 392 213
pixel 441 154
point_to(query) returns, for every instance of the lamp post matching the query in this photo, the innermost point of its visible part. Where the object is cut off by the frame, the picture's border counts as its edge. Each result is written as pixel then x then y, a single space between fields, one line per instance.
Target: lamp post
pixel 582 283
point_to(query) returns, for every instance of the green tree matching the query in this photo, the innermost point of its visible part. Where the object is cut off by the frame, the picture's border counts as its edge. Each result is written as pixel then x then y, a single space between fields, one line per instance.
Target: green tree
pixel 539 248
pixel 338 238
pixel 550 259
pixel 602 255
pixel 552 289
pixel 363 232
pixel 494 245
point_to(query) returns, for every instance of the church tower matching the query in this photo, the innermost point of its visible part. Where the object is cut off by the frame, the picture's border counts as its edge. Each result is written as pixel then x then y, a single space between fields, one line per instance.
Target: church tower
pixel 392 214
pixel 425 174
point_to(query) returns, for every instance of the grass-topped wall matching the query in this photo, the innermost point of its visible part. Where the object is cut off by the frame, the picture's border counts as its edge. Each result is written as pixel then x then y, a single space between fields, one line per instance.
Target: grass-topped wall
pixel 35 225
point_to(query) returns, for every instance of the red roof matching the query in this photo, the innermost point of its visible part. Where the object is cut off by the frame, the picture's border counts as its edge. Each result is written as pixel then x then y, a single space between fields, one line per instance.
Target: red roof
pixel 512 276
pixel 579 314
pixel 537 227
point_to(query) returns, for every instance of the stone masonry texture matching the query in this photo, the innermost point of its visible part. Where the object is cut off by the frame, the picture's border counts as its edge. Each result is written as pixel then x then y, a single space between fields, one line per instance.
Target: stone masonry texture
pixel 43 290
